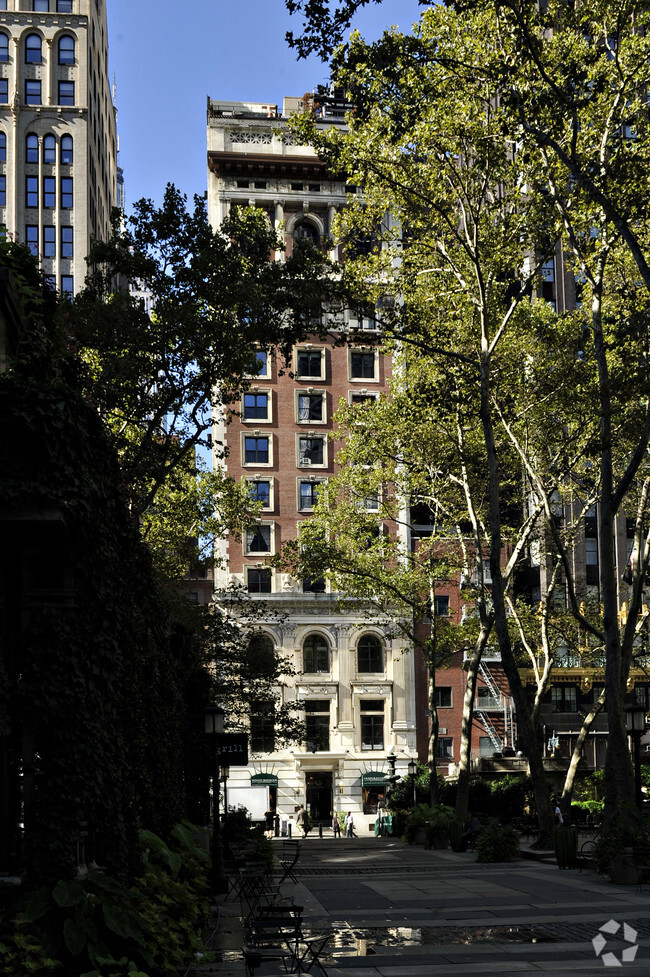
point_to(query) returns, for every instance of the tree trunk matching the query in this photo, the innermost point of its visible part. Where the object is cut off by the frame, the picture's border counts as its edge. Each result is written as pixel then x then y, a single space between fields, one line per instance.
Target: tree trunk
pixel 433 738
pixel 464 760
pixel 567 790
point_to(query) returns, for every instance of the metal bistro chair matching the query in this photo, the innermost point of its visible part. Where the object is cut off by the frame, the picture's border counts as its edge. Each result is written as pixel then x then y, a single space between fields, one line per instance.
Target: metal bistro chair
pixel 288 860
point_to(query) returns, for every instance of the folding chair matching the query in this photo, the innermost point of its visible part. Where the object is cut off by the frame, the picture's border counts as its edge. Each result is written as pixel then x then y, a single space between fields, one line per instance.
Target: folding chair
pixel 288 860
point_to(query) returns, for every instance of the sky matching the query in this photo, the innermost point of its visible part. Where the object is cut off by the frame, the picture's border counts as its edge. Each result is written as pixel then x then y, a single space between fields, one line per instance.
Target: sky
pixel 167 56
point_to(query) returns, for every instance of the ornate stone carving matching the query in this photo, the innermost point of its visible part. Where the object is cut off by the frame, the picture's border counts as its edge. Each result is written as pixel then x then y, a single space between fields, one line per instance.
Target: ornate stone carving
pixel 252 138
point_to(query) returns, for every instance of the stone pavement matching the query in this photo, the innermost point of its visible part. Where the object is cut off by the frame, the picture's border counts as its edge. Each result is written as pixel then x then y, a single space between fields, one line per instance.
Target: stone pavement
pixel 395 910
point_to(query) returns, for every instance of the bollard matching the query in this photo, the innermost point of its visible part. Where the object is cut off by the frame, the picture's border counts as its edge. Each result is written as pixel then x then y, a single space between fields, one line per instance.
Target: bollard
pixel 320 830
pixel 288 829
pixel 276 823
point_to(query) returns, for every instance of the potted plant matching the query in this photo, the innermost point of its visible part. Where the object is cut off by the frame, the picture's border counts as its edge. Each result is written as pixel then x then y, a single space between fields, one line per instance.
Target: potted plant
pixel 438 825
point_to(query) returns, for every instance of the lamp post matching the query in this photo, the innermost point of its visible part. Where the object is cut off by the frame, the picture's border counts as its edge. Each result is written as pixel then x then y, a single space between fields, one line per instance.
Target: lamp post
pixel 413 772
pixel 214 716
pixel 635 727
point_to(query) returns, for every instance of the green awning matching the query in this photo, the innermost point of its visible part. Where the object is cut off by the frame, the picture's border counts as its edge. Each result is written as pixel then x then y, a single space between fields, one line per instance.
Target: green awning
pixel 264 780
pixel 374 778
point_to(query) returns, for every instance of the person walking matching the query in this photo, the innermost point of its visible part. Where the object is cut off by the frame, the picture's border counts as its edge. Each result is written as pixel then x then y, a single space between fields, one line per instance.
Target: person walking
pixel 349 825
pixel 269 823
pixel 301 820
pixel 336 825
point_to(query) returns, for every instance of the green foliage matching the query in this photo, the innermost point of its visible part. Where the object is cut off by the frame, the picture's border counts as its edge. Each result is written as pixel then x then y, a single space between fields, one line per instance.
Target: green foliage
pixel 101 927
pixel 434 820
pixel 629 831
pixel 497 843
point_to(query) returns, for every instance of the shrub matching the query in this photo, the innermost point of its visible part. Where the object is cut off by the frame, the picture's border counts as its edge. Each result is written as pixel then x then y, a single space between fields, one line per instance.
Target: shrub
pixel 497 843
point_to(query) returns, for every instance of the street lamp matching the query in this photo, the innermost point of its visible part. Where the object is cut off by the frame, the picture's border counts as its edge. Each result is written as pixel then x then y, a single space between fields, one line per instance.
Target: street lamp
pixel 635 727
pixel 413 772
pixel 214 716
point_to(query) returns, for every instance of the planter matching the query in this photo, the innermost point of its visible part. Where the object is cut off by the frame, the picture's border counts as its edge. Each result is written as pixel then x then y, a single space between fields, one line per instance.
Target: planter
pixel 566 847
pixel 623 869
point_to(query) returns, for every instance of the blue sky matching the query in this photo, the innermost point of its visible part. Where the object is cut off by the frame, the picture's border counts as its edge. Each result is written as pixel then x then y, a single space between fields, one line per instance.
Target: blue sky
pixel 168 56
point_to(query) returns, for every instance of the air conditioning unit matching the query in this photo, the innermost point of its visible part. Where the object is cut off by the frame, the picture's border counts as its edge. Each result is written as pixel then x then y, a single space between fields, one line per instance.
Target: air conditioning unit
pixel 442 730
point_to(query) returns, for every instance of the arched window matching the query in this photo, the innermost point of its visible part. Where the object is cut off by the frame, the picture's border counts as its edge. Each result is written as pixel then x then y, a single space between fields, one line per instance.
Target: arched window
pixel 261 656
pixel 316 654
pixel 31 148
pixel 4 47
pixel 66 149
pixel 305 231
pixel 49 149
pixel 370 654
pixel 66 49
pixel 3 147
pixel 33 49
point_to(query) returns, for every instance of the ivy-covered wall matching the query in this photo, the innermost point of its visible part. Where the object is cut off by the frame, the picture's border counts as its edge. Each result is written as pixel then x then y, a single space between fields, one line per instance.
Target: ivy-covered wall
pixel 93 724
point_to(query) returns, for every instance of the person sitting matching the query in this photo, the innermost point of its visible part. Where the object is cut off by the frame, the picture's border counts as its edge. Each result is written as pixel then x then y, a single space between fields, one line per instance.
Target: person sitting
pixel 471 832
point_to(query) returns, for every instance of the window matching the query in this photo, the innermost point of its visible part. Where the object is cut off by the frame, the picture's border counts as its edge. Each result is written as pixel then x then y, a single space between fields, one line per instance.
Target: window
pixel 66 49
pixel 642 696
pixel 262 726
pixel 443 697
pixel 309 363
pixel 256 406
pixel 256 450
pixel 64 6
pixel 441 606
pixel 31 148
pixel 445 748
pixel 67 198
pixel 260 367
pixel 4 47
pixel 3 148
pixel 258 540
pixel 3 191
pixel 260 491
pixel 311 451
pixel 66 93
pixel 372 724
pixel 258 580
pixel 362 399
pixel 67 285
pixel 67 242
pixel 316 654
pixel 564 698
pixel 362 365
pixel 306 232
pixel 41 5
pixel 49 149
pixel 4 91
pixel 32 92
pixel 370 654
pixel 66 149
pixel 49 241
pixel 313 585
pixel 49 191
pixel 310 407
pixel 591 560
pixel 317 724
pixel 33 49
pixel 308 495
pixel 31 191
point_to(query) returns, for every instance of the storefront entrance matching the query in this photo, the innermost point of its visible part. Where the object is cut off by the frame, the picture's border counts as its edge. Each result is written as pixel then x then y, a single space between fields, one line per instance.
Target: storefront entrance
pixel 319 797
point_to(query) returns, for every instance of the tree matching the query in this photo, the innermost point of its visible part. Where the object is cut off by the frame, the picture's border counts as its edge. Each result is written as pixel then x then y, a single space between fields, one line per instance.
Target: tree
pixel 216 299
pixel 434 140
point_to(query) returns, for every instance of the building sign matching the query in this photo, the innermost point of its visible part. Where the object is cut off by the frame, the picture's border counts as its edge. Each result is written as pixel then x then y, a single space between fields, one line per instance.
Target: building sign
pixel 264 780
pixel 374 778
pixel 232 749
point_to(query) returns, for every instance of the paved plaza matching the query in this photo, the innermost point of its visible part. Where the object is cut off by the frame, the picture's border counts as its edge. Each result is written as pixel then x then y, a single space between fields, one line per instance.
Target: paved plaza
pixel 395 910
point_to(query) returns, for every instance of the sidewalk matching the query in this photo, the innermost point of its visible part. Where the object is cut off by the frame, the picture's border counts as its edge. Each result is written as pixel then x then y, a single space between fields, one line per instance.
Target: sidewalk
pixel 395 910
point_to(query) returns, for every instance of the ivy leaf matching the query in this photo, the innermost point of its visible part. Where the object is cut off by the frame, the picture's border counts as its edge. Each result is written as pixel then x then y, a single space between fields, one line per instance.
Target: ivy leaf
pixel 39 904
pixel 74 934
pixel 67 894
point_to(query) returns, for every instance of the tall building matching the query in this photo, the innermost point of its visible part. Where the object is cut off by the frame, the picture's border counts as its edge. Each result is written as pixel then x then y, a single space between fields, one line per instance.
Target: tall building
pixel 355 678
pixel 58 173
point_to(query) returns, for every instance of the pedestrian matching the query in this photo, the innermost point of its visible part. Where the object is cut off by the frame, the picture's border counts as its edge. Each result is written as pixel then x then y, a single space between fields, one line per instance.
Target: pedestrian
pixel 471 832
pixel 349 825
pixel 301 820
pixel 559 820
pixel 336 825
pixel 269 823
